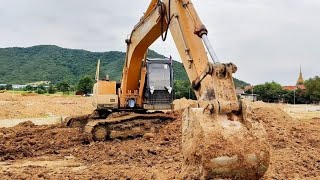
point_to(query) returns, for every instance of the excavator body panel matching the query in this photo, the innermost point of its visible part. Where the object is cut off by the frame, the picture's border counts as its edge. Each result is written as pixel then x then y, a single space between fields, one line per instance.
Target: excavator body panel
pixel 104 95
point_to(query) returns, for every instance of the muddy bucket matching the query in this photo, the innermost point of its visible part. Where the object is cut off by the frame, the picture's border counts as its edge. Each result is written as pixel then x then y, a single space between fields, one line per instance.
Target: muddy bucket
pixel 214 146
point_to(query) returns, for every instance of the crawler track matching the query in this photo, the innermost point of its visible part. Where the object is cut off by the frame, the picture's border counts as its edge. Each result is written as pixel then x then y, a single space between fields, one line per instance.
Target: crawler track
pixel 126 126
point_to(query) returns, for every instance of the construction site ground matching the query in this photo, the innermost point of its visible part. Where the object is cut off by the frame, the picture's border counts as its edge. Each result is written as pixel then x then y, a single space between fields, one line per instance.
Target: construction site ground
pixel 29 151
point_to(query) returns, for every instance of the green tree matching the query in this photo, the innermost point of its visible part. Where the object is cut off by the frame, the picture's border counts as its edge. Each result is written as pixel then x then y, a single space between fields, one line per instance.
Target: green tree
pixel 269 91
pixel 272 92
pixel 41 89
pixel 52 89
pixel 85 84
pixel 63 87
pixel 28 88
pixel 313 88
pixel 302 96
pixel 9 87
pixel 183 89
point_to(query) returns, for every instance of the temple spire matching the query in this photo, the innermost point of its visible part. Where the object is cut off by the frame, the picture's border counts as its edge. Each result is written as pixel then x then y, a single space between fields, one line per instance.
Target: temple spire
pixel 300 79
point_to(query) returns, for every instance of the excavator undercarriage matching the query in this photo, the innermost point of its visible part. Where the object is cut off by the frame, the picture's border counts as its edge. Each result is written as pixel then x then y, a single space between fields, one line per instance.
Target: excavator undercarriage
pixel 119 125
pixel 126 126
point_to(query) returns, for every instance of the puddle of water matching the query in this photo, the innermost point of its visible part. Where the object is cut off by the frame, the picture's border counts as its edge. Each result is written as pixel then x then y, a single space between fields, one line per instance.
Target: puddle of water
pixel 36 121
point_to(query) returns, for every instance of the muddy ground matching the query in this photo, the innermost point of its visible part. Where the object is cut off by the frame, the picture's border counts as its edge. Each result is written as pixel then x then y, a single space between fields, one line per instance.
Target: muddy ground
pixel 54 151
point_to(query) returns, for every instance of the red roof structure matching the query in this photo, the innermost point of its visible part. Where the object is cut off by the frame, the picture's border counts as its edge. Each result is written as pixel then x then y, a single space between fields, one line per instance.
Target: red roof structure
pixel 299 85
pixel 292 88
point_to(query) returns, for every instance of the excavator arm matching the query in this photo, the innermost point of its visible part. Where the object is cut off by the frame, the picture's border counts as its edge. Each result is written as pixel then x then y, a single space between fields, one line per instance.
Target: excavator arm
pixel 142 36
pixel 220 137
pixel 189 35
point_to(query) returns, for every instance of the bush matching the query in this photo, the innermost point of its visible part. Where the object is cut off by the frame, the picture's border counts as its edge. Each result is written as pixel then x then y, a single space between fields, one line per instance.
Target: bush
pixel 183 89
pixel 41 91
pixel 63 87
pixel 29 88
pixel 52 89
pixel 9 87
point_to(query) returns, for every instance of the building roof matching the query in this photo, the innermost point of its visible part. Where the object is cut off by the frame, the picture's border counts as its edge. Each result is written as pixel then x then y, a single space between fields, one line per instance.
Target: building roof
pixel 291 88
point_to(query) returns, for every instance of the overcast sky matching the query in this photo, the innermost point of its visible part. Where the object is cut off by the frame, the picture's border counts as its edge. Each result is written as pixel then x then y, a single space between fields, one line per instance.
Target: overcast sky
pixel 267 39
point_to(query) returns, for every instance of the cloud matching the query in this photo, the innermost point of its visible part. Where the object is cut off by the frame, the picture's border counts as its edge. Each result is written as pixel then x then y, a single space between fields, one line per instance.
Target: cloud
pixel 267 40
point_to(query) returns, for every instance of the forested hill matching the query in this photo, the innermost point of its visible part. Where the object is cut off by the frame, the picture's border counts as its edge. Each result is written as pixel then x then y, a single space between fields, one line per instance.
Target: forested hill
pixel 55 64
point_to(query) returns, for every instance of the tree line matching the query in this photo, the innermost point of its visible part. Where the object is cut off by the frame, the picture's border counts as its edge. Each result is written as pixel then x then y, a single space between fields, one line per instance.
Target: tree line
pixel 182 88
pixel 273 92
pixel 84 85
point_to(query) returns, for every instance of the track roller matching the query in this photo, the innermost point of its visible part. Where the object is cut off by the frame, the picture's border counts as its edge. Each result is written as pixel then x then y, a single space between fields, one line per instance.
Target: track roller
pixel 100 133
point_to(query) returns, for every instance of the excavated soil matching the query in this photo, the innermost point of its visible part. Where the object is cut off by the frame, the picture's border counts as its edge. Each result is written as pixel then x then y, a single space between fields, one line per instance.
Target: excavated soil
pixel 156 158
pixel 295 144
pixel 28 151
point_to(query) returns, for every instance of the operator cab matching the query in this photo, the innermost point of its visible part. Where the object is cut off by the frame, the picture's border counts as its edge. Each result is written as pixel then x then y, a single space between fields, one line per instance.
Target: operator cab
pixel 159 92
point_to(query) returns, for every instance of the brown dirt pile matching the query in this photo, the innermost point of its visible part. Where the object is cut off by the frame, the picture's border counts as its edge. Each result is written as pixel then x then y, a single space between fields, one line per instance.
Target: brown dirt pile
pixel 28 140
pixel 295 145
pixel 295 151
pixel 155 158
pixel 182 103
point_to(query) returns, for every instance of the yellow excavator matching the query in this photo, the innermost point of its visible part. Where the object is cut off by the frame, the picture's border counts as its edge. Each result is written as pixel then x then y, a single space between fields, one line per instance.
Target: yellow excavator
pixel 220 136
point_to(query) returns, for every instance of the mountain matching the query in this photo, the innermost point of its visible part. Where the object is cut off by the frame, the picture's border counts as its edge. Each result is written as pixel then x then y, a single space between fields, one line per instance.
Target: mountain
pixel 52 63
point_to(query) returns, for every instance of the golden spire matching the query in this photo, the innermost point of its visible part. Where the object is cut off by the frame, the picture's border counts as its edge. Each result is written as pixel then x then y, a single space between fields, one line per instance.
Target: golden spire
pixel 300 79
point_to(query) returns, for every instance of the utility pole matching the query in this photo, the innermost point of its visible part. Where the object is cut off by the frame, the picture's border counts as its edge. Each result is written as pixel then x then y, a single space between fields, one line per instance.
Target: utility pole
pixel 252 93
pixel 294 96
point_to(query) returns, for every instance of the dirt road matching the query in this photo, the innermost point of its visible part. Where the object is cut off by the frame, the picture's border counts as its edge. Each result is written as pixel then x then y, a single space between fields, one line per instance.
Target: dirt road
pixel 53 151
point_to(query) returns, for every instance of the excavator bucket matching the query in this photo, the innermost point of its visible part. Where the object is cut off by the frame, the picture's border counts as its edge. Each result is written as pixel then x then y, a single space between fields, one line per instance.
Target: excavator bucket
pixel 223 145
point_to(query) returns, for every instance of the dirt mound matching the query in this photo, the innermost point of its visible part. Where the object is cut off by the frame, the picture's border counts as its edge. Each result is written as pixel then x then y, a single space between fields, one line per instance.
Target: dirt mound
pixel 180 104
pixel 25 124
pixel 155 158
pixel 295 145
pixel 28 140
